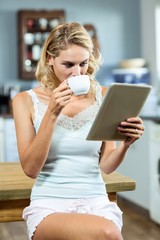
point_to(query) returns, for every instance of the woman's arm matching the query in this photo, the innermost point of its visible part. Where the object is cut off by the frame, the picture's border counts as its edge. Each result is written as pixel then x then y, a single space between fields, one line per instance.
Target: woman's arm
pixel 34 148
pixel 112 156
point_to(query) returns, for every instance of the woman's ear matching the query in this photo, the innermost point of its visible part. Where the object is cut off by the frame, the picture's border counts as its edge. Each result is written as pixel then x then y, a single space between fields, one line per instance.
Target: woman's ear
pixel 50 59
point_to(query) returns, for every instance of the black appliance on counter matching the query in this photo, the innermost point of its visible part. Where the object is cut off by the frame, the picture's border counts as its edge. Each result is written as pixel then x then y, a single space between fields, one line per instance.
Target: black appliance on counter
pixel 4 104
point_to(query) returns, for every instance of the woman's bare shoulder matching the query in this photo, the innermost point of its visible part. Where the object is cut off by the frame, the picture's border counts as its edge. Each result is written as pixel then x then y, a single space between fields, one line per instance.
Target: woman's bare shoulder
pixel 104 90
pixel 22 102
pixel 20 98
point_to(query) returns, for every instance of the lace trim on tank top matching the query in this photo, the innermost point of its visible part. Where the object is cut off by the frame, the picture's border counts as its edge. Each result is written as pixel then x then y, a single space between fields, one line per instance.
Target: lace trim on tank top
pixel 80 119
pixel 69 123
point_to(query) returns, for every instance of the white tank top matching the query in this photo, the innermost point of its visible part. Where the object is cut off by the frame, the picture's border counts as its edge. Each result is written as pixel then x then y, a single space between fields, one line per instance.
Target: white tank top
pixel 72 167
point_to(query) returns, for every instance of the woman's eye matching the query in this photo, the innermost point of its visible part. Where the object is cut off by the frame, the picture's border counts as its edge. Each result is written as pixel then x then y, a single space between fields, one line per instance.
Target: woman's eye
pixel 68 65
pixel 83 64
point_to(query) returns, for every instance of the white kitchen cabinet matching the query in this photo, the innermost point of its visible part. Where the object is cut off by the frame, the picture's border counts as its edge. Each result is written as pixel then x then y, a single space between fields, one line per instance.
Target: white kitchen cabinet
pixel 136 166
pixel 154 168
pixel 1 140
pixel 8 142
pixel 143 164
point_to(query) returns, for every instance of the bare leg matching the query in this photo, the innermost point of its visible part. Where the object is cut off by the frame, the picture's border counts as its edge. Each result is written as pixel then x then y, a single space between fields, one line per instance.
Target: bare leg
pixel 68 226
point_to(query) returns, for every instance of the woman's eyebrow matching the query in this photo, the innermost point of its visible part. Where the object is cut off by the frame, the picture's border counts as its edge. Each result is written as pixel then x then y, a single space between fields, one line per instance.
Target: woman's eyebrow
pixel 66 61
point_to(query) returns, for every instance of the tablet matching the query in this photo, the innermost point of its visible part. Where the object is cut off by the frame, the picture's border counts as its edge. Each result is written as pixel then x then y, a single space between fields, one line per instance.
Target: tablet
pixel 121 101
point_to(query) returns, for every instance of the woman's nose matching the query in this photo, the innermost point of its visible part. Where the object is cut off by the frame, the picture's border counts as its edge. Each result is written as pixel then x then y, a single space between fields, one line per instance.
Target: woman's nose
pixel 76 71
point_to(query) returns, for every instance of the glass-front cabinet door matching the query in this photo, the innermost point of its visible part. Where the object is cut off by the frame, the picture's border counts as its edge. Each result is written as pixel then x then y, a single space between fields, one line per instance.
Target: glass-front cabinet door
pixel 33 29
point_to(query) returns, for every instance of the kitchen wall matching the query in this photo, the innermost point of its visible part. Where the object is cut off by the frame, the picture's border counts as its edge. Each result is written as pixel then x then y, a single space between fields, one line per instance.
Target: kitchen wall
pixel 117 23
pixel 148 35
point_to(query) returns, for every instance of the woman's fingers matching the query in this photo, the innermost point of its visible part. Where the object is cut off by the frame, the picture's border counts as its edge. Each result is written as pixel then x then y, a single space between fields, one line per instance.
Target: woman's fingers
pixel 135 120
pixel 60 98
pixel 133 127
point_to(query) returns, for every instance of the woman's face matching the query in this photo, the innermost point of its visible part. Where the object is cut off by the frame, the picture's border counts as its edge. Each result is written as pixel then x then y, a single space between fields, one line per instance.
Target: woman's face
pixel 70 62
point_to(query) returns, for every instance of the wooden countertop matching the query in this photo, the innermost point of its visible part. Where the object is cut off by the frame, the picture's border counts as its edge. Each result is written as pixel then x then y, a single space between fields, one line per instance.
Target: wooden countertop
pixel 14 184
pixel 6 115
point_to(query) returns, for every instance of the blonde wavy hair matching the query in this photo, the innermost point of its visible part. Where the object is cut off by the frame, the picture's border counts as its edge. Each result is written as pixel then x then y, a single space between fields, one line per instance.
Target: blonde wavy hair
pixel 58 40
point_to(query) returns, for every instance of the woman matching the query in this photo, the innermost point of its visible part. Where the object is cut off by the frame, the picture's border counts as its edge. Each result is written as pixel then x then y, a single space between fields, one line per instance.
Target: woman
pixel 68 199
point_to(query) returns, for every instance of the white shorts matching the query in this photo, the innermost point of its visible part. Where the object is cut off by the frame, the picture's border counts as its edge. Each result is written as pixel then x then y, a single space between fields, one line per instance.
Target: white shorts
pixel 100 206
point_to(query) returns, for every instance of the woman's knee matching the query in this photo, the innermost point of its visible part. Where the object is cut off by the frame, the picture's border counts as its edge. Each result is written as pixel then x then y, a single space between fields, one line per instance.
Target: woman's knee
pixel 111 232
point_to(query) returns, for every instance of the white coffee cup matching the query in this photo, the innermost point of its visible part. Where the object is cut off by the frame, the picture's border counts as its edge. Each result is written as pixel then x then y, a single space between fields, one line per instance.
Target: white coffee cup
pixel 79 84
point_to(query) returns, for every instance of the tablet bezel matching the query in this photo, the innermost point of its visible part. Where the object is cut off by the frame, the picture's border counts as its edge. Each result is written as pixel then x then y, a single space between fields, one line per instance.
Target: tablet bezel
pixel 121 101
